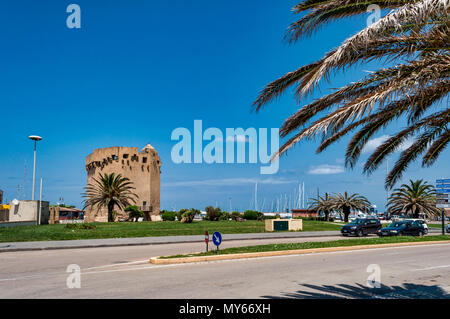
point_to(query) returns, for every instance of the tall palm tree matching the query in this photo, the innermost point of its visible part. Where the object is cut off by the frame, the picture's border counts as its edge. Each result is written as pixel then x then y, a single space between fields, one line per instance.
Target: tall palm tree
pixel 415 36
pixel 322 204
pixel 346 203
pixel 110 190
pixel 416 198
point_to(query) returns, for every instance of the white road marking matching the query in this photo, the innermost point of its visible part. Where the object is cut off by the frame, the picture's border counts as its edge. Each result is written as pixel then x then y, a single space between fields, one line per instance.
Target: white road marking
pixel 431 268
pixel 119 264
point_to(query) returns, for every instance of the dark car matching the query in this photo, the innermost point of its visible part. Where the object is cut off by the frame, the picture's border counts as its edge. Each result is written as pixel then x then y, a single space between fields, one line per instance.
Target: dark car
pixel 448 228
pixel 361 227
pixel 403 228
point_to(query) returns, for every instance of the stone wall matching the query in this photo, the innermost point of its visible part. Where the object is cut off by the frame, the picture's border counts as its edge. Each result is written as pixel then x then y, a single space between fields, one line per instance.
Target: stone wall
pixel 141 167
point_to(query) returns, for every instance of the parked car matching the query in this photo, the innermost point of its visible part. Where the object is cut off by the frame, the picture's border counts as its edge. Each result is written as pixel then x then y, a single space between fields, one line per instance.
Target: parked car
pixel 361 227
pixel 448 228
pixel 421 221
pixel 403 228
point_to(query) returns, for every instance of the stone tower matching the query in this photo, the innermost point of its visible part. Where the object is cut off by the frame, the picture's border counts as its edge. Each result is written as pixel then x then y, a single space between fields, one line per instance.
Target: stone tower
pixel 141 167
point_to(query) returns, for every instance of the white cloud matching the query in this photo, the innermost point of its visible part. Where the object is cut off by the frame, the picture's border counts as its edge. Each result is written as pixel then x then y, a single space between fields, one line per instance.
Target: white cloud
pixel 326 169
pixel 238 138
pixel 230 182
pixel 372 144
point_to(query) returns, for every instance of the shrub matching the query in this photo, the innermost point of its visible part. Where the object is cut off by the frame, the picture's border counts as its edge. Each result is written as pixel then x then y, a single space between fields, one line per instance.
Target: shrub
pixel 188 216
pixel 235 215
pixel 134 212
pixel 251 215
pixel 180 213
pixel 168 216
pixel 80 226
pixel 225 216
pixel 212 213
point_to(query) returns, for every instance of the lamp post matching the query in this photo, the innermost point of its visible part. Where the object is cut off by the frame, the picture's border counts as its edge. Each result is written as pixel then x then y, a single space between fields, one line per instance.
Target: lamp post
pixel 34 138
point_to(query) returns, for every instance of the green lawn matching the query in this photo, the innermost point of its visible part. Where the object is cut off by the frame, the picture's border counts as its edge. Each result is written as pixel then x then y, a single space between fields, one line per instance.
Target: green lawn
pixel 436 225
pixel 309 245
pixel 143 229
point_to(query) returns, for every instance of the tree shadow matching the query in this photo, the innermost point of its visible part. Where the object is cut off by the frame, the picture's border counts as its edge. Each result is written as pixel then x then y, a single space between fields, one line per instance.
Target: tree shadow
pixel 358 291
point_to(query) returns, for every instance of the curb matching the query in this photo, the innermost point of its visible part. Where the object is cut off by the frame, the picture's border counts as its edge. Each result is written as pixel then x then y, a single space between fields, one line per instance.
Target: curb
pixel 184 260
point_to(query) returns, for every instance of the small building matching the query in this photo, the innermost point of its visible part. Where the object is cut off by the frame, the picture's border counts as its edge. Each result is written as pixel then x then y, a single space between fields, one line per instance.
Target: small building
pixel 24 213
pixel 304 213
pixel 64 215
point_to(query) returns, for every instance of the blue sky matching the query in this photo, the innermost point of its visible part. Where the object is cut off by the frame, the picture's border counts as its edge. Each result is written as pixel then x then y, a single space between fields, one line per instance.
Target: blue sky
pixel 136 70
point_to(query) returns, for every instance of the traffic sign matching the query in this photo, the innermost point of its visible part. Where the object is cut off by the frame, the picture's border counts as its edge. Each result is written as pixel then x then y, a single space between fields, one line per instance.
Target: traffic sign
pixel 217 238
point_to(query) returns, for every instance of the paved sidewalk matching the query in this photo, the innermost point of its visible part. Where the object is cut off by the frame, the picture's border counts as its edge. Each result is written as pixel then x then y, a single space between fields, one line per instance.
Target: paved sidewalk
pixel 112 242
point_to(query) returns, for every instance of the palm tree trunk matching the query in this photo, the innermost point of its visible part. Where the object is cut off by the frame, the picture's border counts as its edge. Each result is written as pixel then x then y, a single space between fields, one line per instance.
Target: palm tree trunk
pixel 327 215
pixel 346 210
pixel 110 212
pixel 416 213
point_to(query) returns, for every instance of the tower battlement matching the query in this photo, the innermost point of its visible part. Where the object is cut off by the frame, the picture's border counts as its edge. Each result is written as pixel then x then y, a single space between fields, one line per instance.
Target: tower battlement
pixel 142 167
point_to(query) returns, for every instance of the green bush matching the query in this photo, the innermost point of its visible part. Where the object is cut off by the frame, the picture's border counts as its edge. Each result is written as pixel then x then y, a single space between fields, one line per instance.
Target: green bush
pixel 225 216
pixel 235 215
pixel 80 226
pixel 134 212
pixel 251 215
pixel 180 213
pixel 168 216
pixel 212 213
pixel 189 215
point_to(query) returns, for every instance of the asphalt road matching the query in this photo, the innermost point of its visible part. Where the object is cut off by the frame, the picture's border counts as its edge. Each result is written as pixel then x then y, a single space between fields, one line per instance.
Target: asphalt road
pixel 124 272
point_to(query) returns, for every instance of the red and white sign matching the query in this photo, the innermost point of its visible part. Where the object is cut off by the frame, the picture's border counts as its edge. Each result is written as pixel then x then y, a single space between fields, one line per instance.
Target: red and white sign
pixel 206 237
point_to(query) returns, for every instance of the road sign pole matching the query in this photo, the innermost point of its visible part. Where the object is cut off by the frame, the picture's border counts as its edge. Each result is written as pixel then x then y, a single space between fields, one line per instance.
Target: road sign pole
pixel 207 240
pixel 217 240
pixel 443 221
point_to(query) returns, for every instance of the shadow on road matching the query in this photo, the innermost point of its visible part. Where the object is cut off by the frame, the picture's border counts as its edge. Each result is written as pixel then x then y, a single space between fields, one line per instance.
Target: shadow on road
pixel 358 291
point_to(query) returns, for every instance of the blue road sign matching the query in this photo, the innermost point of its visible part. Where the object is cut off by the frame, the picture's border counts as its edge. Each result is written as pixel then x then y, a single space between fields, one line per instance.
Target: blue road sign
pixel 217 238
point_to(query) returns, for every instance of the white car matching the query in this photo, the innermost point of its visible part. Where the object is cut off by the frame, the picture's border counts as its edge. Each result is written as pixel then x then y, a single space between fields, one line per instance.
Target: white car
pixel 422 221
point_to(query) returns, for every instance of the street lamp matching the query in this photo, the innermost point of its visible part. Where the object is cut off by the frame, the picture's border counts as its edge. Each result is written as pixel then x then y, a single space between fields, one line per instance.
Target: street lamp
pixel 34 138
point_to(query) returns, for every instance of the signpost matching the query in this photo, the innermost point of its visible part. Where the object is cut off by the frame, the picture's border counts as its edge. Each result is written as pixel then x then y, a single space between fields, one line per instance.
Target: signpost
pixel 442 206
pixel 217 240
pixel 206 240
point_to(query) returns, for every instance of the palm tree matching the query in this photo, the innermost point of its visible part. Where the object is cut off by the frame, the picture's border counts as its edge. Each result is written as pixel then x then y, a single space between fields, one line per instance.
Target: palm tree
pixel 345 203
pixel 416 198
pixel 322 204
pixel 414 35
pixel 110 190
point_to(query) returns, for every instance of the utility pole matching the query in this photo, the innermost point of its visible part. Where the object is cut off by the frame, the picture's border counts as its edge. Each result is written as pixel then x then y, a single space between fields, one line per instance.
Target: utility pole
pixel 40 204
pixel 303 194
pixel 256 196
pixel 34 138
